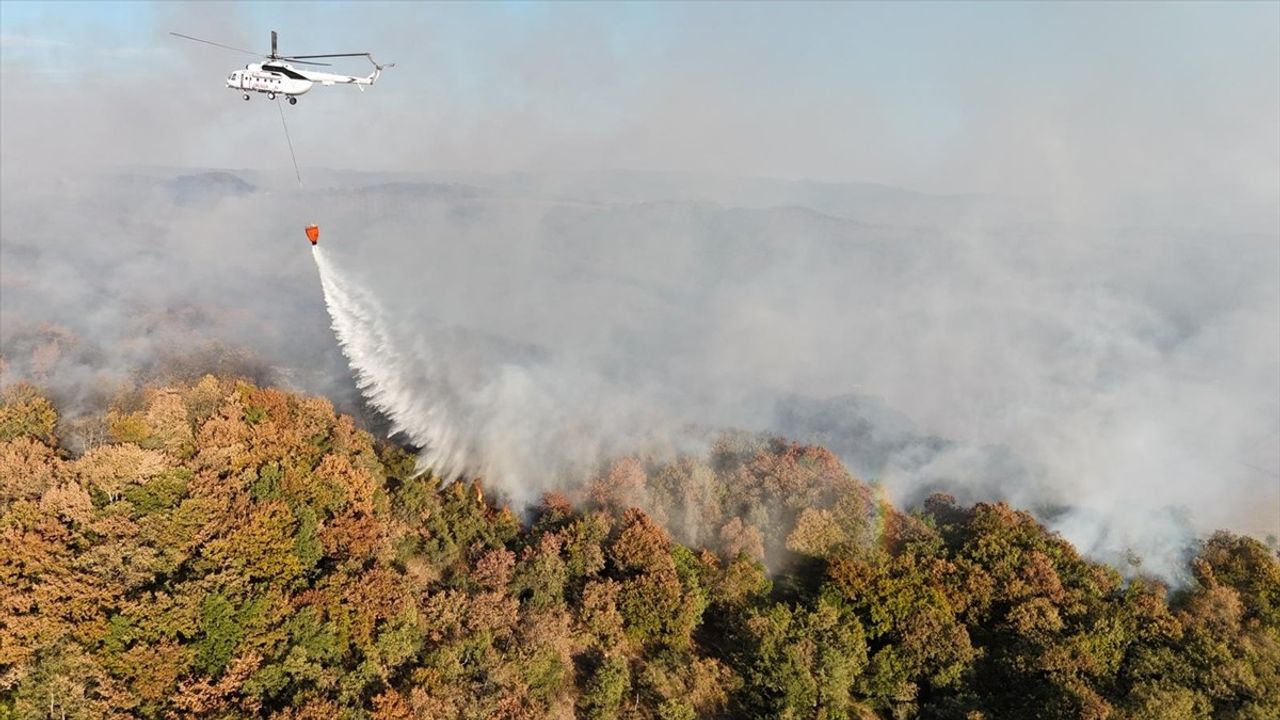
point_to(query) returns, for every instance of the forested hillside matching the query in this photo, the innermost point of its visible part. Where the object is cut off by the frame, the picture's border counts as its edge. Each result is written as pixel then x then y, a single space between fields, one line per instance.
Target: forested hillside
pixel 220 550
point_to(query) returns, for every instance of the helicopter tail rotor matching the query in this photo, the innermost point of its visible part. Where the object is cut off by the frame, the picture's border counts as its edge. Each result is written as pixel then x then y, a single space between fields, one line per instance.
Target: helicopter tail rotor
pixel 377 70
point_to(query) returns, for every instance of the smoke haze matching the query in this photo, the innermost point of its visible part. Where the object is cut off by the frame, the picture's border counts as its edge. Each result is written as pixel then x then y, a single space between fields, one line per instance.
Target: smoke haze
pixel 1082 316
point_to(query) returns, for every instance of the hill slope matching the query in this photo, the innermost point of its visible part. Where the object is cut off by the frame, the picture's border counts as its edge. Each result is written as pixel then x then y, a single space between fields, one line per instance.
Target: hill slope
pixel 223 551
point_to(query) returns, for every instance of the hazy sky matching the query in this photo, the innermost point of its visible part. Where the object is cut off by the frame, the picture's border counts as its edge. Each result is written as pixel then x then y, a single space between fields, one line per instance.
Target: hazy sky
pixel 1072 100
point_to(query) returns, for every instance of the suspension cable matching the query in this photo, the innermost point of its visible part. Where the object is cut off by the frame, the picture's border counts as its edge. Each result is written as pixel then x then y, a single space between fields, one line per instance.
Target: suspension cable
pixel 288 139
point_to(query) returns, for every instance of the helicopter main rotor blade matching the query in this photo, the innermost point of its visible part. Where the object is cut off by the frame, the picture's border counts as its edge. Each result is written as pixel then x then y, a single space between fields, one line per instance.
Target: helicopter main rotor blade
pixel 304 62
pixel 209 42
pixel 333 55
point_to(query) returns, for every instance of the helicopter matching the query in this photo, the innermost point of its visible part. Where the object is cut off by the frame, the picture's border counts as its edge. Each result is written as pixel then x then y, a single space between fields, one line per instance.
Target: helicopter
pixel 277 75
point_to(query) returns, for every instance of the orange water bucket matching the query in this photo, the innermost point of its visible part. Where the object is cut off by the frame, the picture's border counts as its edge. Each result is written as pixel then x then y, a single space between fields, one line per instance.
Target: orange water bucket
pixel 313 233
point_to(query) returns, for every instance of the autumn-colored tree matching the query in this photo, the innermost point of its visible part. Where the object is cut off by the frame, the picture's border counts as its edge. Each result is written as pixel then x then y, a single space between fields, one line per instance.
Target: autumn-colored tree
pixel 25 412
pixel 222 550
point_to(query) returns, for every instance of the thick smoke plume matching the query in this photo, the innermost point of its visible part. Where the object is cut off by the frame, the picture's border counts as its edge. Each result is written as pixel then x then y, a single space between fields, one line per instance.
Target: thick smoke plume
pixel 1120 381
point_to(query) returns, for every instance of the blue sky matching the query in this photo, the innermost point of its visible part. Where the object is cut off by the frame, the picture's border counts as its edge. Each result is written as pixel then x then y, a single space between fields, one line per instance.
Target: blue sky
pixel 941 96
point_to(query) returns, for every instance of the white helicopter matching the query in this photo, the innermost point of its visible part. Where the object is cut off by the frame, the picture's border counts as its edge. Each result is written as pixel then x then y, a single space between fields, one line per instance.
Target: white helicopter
pixel 277 77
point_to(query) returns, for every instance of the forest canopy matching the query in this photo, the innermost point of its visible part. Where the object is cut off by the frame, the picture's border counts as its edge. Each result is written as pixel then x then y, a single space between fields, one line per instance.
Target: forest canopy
pixel 222 550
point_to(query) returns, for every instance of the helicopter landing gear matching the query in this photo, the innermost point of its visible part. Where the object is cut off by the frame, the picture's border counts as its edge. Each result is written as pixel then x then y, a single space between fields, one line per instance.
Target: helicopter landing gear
pixel 271 96
pixel 246 96
pixel 293 101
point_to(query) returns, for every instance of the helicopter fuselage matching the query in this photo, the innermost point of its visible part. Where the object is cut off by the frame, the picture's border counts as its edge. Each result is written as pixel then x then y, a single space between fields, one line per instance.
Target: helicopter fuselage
pixel 280 78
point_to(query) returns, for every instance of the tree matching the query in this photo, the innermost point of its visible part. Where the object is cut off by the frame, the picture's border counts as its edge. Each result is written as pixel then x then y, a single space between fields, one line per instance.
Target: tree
pixel 28 468
pixel 25 412
pixel 245 552
pixel 609 680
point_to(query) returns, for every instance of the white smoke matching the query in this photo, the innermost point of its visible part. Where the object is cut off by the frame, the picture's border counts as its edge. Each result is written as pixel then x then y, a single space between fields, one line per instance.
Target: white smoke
pixel 1121 384
pixel 1111 381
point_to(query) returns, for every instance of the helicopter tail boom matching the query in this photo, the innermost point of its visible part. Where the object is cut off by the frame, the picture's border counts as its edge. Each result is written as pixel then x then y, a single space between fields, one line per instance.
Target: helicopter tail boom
pixel 331 79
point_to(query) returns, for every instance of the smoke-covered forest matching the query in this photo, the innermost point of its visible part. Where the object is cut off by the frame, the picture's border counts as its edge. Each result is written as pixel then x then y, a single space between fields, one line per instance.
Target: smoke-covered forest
pixel 532 501
pixel 1118 381
pixel 221 550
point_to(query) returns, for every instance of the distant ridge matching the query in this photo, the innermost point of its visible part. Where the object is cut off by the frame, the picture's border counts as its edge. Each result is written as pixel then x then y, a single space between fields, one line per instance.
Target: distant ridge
pixel 206 187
